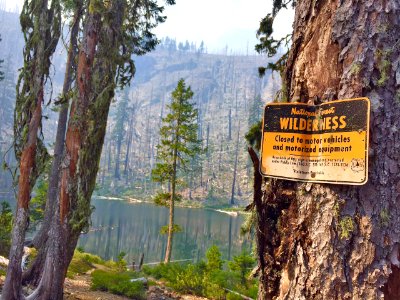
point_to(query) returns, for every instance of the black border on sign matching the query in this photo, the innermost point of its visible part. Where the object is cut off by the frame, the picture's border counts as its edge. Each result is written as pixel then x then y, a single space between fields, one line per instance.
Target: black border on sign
pixel 322 181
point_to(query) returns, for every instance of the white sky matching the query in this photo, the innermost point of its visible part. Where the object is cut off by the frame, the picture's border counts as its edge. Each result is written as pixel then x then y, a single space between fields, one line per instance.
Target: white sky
pixel 218 23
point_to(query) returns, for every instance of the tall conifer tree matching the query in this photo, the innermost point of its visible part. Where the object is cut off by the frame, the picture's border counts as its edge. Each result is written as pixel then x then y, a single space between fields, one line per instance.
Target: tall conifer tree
pixel 177 146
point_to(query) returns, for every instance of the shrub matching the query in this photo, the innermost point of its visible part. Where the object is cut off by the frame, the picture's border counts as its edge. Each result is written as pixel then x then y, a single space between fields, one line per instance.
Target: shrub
pixel 232 296
pixel 6 219
pixel 82 263
pixel 189 280
pixel 121 263
pixel 209 279
pixel 242 265
pixel 167 272
pixel 118 283
pixel 214 261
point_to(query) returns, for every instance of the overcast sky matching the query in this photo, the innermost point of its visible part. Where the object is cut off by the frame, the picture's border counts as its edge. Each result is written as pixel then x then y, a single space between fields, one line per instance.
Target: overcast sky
pixel 218 23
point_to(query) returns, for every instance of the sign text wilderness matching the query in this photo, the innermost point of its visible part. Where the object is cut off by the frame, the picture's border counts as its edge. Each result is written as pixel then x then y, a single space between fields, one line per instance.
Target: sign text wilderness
pixel 322 143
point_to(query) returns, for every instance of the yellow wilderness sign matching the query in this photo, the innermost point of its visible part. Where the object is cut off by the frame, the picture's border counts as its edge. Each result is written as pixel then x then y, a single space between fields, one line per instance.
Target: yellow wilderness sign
pixel 317 143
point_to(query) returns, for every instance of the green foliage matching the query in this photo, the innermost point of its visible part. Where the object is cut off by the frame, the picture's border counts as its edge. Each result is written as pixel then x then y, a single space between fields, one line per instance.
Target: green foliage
pixel 164 271
pixel 38 202
pixel 254 135
pixel 242 265
pixel 232 296
pixel 214 261
pixel 121 263
pixel 384 216
pixel 189 280
pixel 208 279
pixel 178 145
pixel 384 71
pixel 163 199
pixel 178 135
pixel 249 223
pixel 384 65
pixel 118 283
pixel 82 263
pixel 346 227
pixel 41 34
pixel 356 68
pixel 268 44
pixel 6 220
pixel 175 229
pixel 137 37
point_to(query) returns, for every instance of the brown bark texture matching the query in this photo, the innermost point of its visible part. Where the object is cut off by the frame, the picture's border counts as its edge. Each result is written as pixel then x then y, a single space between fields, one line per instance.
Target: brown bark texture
pixel 27 122
pixel 341 49
pixel 62 239
pixel 84 140
pixel 32 275
pixel 77 126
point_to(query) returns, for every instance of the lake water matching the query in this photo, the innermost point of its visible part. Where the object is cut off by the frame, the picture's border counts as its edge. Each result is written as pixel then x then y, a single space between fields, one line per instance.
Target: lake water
pixel 135 228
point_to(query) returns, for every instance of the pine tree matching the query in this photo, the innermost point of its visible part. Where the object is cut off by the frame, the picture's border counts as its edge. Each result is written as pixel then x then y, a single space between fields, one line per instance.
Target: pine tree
pixel 119 130
pixel 178 144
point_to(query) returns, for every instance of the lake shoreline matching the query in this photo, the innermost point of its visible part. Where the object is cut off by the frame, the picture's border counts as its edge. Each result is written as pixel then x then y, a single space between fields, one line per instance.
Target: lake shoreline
pixel 232 211
pixel 136 230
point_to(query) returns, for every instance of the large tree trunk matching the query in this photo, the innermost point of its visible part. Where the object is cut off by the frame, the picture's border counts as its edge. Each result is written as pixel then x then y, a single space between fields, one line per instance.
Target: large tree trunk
pixel 341 49
pixel 62 238
pixel 32 275
pixel 96 83
pixel 42 37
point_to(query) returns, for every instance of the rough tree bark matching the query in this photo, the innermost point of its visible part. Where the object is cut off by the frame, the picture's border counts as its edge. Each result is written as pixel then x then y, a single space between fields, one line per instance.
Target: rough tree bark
pixel 41 31
pixel 168 250
pixel 32 275
pixel 341 49
pixel 62 238
pixel 12 285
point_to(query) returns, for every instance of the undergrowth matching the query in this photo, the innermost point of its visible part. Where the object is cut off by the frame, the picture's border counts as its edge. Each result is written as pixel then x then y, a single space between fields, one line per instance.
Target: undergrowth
pixel 212 278
pixel 118 284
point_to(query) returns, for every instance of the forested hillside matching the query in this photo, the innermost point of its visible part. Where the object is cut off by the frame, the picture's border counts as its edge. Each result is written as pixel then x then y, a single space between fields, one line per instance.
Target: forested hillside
pixel 228 94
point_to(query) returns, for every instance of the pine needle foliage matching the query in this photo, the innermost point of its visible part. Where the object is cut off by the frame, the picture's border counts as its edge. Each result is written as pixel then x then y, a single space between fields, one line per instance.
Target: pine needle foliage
pixel 178 145
pixel 178 135
pixel 268 44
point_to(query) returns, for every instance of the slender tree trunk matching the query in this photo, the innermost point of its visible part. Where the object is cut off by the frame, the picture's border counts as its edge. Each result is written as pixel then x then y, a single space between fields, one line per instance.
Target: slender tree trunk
pixel 220 154
pixel 341 49
pixel 232 201
pixel 12 285
pixel 168 251
pixel 117 159
pixel 128 145
pixel 230 125
pixel 207 142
